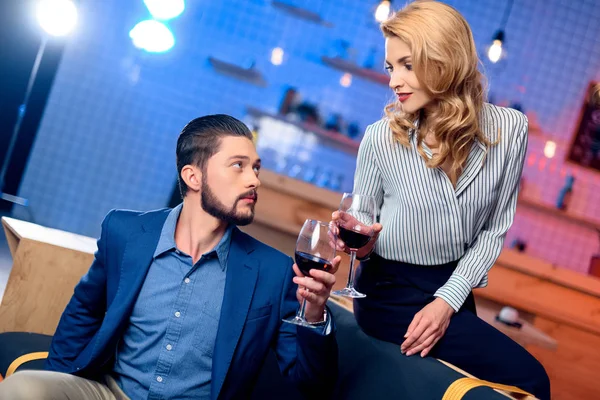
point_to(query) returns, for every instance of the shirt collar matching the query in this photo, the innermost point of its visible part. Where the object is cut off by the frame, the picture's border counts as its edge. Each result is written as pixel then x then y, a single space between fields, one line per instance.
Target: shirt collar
pixel 167 239
pixel 413 131
pixel 222 248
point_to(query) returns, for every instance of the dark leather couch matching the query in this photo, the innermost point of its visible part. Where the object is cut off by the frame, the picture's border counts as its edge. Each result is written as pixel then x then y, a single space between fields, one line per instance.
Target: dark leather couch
pixel 368 368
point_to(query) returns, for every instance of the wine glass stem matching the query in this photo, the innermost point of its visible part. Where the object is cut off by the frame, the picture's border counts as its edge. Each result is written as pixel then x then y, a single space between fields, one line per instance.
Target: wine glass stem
pixel 300 313
pixel 350 284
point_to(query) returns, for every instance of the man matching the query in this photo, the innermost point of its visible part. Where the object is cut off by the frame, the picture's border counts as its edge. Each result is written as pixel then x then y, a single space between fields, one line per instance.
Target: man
pixel 180 303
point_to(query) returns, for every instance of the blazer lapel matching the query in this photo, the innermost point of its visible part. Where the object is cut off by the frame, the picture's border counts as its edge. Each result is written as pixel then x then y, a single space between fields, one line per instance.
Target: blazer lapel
pixel 242 274
pixel 136 261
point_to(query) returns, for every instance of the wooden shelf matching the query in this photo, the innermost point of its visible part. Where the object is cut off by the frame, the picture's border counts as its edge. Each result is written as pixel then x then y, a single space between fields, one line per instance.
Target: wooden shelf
pixel 555 212
pixel 300 189
pixel 546 271
pixel 526 335
pixel 250 75
pixel 543 298
pixel 301 13
pixel 350 67
pixel 336 140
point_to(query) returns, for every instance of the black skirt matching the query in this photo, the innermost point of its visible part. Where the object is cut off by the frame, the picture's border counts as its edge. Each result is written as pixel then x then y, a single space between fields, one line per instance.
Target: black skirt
pixel 396 291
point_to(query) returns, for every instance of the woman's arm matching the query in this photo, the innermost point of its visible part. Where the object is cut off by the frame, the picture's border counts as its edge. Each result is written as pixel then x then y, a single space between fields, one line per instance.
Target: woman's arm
pixel 368 181
pixel 481 256
pixel 367 177
pixel 429 325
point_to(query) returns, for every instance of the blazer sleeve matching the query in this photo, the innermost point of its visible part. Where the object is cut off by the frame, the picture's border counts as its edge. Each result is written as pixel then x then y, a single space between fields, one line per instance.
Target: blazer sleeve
pixel 309 357
pixel 85 311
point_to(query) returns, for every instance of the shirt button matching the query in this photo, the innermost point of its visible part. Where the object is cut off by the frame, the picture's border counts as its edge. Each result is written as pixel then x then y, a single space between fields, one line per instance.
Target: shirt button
pixel 159 378
pixel 177 314
pixel 187 280
pixel 169 347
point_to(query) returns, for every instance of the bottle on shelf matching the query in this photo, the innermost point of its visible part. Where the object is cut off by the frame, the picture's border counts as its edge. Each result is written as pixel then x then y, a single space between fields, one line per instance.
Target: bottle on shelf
pixel 324 179
pixel 310 174
pixel 519 244
pixel 595 261
pixel 564 196
pixel 336 184
pixel 290 101
pixel 370 61
pixel 254 130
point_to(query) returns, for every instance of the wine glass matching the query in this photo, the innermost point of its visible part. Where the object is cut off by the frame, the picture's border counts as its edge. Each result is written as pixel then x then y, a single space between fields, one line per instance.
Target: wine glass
pixel 357 215
pixel 314 250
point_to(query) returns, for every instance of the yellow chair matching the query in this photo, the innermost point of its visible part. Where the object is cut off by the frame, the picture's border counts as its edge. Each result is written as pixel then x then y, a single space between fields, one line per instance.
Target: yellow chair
pixel 22 350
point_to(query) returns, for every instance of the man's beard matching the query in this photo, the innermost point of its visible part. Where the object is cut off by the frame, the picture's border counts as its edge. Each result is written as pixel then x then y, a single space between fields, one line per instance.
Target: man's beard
pixel 214 207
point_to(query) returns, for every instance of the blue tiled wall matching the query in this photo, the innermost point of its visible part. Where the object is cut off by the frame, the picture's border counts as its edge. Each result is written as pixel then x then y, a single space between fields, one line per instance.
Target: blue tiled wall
pixel 109 130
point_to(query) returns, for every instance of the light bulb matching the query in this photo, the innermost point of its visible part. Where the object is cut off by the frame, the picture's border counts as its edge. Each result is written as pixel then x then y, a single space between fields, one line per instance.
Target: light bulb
pixel 165 9
pixel 550 149
pixel 495 51
pixel 277 56
pixel 346 80
pixel 57 17
pixel 152 36
pixel 383 11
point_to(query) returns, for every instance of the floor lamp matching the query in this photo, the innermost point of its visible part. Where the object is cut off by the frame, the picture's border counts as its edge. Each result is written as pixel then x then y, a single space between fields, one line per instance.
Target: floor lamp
pixel 57 18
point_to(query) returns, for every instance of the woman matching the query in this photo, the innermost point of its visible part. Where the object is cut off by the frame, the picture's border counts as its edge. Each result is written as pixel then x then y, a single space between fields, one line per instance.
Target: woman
pixel 444 168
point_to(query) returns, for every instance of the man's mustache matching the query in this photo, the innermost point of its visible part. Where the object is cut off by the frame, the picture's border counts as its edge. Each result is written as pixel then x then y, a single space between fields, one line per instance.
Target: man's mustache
pixel 249 194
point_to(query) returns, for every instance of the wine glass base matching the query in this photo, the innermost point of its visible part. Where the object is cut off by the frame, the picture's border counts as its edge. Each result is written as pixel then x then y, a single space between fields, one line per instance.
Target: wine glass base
pixel 299 321
pixel 350 292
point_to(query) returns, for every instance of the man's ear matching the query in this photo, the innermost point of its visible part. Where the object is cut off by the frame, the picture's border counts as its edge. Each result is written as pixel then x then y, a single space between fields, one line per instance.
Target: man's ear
pixel 192 176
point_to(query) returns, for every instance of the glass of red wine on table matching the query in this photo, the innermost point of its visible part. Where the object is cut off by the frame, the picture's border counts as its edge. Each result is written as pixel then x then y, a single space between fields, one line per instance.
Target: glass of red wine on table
pixel 354 228
pixel 314 250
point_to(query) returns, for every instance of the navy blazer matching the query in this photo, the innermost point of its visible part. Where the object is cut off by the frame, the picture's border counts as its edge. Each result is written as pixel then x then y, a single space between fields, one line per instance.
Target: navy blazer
pixel 259 293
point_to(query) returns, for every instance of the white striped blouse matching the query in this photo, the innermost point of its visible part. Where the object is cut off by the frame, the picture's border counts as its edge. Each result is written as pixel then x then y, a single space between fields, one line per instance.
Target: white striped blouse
pixel 427 221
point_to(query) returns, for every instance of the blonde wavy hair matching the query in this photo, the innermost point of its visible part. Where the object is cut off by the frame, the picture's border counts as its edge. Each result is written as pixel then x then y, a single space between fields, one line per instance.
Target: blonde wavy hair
pixel 445 62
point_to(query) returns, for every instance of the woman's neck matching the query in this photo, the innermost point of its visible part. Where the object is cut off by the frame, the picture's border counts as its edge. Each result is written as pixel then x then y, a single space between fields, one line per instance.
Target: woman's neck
pixel 426 133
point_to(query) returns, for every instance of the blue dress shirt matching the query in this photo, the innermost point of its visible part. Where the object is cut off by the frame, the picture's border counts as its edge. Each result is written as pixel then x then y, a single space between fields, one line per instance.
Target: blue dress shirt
pixel 166 350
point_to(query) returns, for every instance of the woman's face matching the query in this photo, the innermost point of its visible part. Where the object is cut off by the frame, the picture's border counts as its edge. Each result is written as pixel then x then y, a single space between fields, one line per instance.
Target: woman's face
pixel 403 80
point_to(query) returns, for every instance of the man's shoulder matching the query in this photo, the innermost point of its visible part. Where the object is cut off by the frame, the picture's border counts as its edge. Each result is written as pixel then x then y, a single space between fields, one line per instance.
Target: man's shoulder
pixel 263 250
pixel 122 220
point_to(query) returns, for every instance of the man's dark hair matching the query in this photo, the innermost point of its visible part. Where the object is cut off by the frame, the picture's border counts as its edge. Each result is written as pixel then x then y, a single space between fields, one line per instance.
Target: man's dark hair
pixel 200 139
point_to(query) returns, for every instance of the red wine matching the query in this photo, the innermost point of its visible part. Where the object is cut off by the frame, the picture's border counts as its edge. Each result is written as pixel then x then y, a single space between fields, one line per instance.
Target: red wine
pixel 306 262
pixel 354 240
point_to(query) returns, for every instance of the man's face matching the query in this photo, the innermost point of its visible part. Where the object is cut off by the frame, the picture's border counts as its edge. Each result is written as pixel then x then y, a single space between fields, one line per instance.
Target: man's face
pixel 230 181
